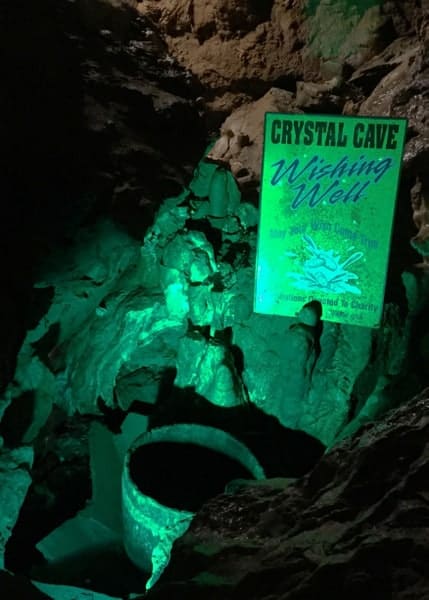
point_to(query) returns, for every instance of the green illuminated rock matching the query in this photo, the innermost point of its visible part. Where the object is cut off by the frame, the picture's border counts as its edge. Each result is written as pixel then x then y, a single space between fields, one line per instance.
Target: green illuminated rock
pixel 278 365
pixel 345 352
pixel 344 31
pixel 80 279
pixel 108 348
pixel 123 313
pixel 15 480
pixel 67 592
pixel 208 367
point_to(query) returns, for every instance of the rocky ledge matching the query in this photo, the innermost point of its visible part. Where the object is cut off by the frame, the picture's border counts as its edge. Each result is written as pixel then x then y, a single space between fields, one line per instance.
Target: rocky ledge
pixel 356 526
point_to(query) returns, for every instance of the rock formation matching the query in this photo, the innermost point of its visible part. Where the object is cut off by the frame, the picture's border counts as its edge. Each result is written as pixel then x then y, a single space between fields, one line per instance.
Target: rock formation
pixel 356 525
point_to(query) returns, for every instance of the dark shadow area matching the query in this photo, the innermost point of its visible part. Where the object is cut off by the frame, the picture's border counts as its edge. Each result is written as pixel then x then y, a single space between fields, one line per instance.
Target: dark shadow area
pixel 183 476
pixel 106 570
pixel 282 452
pixel 60 487
pixel 44 161
pixel 419 337
pixel 43 346
pixel 402 255
pixel 213 235
pixel 17 418
pixel 237 254
pixel 315 331
pixel 19 588
pixel 112 418
pixel 82 138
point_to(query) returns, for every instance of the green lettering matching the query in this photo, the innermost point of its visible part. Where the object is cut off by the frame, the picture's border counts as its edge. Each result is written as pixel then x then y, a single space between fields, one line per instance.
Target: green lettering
pixel 308 133
pixel 342 138
pixel 357 135
pixel 298 125
pixel 320 128
pixel 275 134
pixel 286 132
pixel 369 137
pixel 381 134
pixel 330 135
pixel 392 142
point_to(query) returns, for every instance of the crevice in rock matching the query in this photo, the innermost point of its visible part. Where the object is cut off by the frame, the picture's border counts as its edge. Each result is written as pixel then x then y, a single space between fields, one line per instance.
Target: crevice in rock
pixel 213 234
pixel 17 418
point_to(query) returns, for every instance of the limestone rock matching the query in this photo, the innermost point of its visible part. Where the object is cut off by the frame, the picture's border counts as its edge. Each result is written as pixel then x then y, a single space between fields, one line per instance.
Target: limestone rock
pixel 80 279
pixel 380 101
pixel 318 96
pixel 251 44
pixel 195 272
pixel 278 363
pixel 125 345
pixel 99 136
pixel 345 350
pixel 239 147
pixel 15 480
pixel 239 50
pixel 207 366
pixel 344 33
pixel 402 92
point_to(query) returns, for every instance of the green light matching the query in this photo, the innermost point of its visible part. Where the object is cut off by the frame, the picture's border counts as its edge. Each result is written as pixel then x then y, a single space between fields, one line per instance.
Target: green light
pixel 150 528
pixel 359 6
pixel 338 30
pixel 327 203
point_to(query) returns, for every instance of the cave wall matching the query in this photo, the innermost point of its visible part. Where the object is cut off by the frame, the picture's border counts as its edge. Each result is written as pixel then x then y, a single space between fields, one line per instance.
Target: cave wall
pixel 129 258
pixel 172 287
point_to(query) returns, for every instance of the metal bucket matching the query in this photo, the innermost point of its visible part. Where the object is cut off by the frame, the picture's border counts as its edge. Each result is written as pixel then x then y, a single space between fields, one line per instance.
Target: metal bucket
pixel 152 524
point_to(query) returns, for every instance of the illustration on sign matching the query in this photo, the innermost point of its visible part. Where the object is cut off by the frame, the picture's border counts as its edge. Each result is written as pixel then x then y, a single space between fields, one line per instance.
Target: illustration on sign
pixel 328 195
pixel 324 272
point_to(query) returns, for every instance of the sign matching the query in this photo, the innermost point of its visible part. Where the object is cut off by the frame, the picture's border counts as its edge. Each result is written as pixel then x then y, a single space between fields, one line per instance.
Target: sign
pixel 328 192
